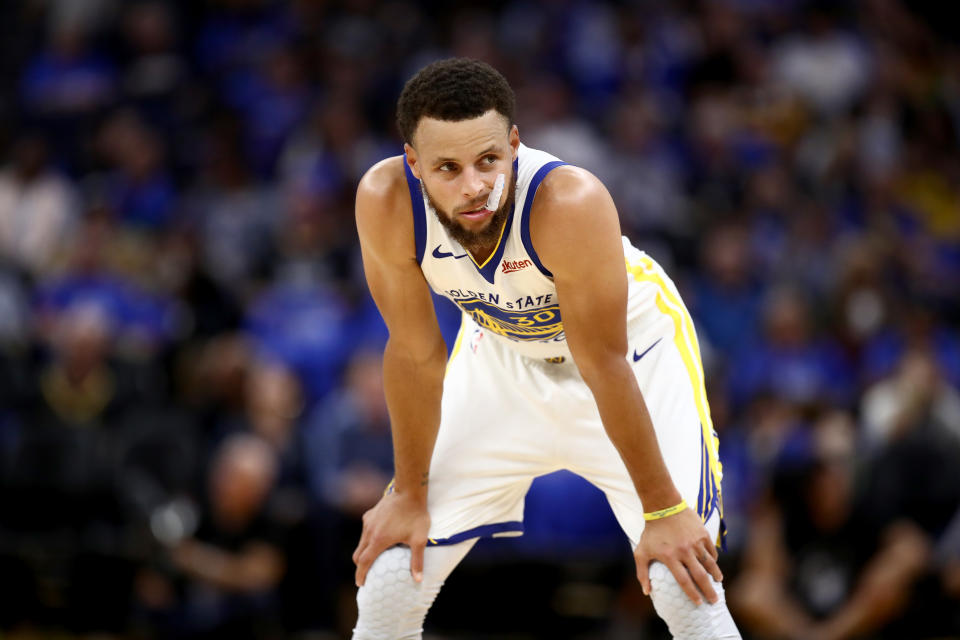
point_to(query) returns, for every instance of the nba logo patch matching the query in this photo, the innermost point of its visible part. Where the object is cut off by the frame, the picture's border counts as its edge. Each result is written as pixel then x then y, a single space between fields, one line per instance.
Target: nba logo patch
pixel 475 339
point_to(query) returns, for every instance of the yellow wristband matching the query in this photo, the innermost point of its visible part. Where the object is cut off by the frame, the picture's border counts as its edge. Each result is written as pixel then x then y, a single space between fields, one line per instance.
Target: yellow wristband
pixel 663 513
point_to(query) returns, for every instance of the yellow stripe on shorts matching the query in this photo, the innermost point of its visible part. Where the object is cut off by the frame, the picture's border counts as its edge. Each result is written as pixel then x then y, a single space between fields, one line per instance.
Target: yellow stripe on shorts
pixel 685 339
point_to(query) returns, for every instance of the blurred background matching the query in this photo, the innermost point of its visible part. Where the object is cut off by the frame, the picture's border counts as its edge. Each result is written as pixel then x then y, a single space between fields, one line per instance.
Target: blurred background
pixel 191 407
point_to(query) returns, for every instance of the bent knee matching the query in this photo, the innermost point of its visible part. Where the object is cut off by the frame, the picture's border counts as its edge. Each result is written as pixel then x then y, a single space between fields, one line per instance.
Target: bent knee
pixel 686 620
pixel 389 601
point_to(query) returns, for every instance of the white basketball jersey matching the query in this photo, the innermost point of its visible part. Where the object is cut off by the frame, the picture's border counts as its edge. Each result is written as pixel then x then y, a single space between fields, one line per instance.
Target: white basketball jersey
pixel 511 295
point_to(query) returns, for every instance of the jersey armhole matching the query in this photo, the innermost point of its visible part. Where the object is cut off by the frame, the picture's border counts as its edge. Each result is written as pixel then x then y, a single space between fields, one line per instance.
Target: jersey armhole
pixel 419 211
pixel 525 216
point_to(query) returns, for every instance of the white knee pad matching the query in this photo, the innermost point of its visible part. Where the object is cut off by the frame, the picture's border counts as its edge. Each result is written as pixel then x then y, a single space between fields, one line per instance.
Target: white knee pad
pixel 390 605
pixel 389 599
pixel 685 620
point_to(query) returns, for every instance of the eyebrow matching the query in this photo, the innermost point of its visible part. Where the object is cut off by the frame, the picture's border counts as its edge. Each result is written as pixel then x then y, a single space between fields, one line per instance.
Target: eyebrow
pixel 490 149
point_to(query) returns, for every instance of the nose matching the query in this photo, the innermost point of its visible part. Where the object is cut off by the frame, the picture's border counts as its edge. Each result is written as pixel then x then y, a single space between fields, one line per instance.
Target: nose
pixel 472 183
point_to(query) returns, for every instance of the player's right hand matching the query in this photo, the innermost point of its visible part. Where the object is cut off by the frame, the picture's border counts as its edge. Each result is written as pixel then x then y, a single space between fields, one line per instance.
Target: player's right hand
pixel 395 519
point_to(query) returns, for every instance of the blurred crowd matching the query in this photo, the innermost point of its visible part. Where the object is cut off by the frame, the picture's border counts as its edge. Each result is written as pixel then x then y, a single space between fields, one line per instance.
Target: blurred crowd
pixel 191 406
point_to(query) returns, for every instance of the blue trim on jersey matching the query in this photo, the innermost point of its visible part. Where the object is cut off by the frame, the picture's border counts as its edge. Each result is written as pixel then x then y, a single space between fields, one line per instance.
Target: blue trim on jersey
pixel 483 531
pixel 525 220
pixel 708 498
pixel 419 212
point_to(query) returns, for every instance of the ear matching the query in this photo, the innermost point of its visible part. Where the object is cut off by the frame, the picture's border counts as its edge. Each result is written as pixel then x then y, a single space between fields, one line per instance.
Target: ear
pixel 514 138
pixel 410 156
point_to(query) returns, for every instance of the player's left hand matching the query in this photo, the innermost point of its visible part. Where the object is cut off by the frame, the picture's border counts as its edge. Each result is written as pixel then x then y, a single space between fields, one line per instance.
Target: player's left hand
pixel 682 543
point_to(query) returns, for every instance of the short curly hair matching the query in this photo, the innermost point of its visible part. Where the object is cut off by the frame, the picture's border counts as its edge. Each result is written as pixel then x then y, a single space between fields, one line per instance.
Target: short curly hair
pixel 453 89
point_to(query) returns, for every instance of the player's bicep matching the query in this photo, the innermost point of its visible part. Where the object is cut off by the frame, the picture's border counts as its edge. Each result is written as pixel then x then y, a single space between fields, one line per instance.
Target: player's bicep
pixel 593 304
pixel 594 314
pixel 579 241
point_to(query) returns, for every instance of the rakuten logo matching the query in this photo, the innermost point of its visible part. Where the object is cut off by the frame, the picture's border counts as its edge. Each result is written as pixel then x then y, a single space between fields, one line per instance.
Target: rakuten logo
pixel 509 266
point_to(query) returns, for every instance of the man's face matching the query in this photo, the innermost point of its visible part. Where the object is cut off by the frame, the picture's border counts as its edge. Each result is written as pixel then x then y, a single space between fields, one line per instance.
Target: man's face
pixel 458 163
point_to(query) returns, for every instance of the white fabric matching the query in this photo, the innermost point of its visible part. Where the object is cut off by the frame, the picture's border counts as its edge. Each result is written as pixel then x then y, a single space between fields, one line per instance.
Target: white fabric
pixel 519 291
pixel 685 620
pixel 506 419
pixel 391 605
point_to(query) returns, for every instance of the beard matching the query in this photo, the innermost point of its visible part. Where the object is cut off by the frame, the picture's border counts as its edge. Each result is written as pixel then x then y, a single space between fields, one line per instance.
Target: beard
pixel 476 239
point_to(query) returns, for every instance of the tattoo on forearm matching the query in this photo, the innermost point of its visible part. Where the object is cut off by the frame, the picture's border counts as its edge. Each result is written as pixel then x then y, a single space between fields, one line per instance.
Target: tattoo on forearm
pixel 424 479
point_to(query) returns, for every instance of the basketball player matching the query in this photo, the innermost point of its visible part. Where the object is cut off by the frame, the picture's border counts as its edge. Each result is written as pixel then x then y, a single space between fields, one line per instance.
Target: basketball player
pixel 575 352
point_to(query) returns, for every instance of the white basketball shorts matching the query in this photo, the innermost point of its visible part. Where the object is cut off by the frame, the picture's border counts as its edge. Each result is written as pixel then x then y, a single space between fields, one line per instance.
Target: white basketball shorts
pixel 506 419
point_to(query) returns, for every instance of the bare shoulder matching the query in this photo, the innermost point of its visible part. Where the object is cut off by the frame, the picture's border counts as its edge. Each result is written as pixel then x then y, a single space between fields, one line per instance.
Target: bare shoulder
pixel 571 212
pixel 569 191
pixel 383 210
pixel 383 188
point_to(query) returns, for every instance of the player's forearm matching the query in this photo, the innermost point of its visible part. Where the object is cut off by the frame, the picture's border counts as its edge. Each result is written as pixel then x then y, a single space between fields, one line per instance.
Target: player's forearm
pixel 627 423
pixel 413 387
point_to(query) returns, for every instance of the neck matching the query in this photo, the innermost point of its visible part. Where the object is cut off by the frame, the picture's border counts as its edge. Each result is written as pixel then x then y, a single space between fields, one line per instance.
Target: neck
pixel 481 251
